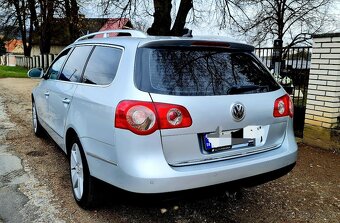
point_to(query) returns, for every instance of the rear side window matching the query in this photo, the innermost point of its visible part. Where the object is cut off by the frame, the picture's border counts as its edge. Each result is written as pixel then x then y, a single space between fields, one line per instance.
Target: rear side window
pixel 200 71
pixel 74 66
pixel 102 66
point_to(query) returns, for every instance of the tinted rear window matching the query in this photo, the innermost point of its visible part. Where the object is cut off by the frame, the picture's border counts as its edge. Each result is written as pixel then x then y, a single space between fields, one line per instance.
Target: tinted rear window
pixel 200 71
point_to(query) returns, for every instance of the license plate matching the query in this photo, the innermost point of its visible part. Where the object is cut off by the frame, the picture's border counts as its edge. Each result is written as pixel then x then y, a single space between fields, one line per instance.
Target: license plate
pixel 224 140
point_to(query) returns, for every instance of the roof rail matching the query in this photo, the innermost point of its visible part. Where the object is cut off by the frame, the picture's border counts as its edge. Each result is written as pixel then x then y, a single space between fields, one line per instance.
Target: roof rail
pixel 133 33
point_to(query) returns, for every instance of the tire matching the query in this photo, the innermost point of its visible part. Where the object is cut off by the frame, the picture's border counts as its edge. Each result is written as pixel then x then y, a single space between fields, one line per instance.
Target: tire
pixel 82 183
pixel 37 128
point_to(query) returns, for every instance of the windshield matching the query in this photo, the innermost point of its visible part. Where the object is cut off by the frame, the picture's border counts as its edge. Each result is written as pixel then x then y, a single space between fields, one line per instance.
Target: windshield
pixel 200 71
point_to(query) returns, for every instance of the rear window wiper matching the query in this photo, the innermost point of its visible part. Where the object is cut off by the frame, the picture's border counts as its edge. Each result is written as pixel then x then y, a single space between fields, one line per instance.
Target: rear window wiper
pixel 246 88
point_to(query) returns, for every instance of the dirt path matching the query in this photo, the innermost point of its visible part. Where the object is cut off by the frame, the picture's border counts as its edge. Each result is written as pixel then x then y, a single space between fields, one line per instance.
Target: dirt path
pixel 310 193
pixel 23 198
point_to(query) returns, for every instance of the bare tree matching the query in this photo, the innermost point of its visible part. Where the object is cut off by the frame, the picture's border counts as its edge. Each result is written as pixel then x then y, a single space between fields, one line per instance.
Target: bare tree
pixel 35 19
pixel 50 11
pixel 46 8
pixel 293 21
pixel 21 17
pixel 7 18
pixel 163 23
pixel 71 9
pixel 27 20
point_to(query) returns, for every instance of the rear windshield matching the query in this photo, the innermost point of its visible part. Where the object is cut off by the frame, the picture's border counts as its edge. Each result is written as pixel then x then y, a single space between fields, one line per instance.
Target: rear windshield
pixel 200 71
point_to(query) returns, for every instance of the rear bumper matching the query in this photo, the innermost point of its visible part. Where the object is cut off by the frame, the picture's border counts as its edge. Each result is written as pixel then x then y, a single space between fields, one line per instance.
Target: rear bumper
pixel 142 168
pixel 178 179
pixel 151 176
pixel 262 178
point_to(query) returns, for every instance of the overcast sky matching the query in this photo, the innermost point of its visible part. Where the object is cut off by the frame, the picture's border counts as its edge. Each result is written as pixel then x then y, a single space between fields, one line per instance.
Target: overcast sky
pixel 204 27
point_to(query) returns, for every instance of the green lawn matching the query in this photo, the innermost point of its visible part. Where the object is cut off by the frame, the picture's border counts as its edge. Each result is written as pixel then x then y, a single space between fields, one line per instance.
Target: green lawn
pixel 6 71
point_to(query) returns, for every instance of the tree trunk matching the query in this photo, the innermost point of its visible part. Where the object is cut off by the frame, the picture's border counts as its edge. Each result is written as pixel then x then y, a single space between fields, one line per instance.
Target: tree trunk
pixel 72 18
pixel 33 22
pixel 33 14
pixel 74 31
pixel 162 18
pixel 20 15
pixel 45 29
pixel 184 8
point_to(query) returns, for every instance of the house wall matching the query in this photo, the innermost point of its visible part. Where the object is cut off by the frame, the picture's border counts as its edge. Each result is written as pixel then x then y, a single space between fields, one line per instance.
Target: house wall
pixel 11 60
pixel 322 118
pixel 54 50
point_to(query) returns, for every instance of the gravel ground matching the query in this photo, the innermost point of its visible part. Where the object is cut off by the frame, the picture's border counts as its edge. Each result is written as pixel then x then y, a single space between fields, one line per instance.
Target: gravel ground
pixel 310 193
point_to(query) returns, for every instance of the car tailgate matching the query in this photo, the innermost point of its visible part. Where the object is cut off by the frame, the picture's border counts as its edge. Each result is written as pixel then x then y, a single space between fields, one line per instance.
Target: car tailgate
pixel 213 115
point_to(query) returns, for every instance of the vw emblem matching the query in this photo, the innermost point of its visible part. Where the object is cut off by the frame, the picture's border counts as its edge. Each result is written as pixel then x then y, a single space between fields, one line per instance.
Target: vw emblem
pixel 237 111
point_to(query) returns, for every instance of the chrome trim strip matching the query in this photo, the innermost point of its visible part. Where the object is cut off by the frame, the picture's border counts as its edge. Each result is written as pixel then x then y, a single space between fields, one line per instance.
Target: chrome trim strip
pixel 215 159
pixel 102 159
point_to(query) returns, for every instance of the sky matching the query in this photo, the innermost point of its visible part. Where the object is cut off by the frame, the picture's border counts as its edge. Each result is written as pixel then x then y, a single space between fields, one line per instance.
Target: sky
pixel 204 27
pixel 335 11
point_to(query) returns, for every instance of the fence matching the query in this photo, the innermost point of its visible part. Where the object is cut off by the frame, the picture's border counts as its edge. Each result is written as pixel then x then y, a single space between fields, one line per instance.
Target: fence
pixel 293 73
pixel 43 61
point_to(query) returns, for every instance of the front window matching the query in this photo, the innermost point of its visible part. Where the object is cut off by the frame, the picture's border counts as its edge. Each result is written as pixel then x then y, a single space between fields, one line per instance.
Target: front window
pixel 74 65
pixel 55 68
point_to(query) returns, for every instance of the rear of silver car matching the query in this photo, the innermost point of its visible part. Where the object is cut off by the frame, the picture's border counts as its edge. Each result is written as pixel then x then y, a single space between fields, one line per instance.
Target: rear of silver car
pixel 215 115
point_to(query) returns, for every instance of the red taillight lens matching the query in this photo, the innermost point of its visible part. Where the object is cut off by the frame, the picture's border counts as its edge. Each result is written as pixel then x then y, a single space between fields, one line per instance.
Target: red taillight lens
pixel 138 117
pixel 283 106
pixel 144 118
pixel 172 116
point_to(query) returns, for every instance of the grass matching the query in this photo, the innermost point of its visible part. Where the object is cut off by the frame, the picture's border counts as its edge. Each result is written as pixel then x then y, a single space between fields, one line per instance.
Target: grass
pixel 6 71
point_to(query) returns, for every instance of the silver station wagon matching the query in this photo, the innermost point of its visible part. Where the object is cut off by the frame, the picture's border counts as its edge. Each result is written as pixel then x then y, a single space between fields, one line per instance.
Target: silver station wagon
pixel 162 114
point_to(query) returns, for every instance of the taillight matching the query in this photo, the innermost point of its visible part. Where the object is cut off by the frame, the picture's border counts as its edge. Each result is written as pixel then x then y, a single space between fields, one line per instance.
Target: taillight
pixel 138 117
pixel 283 106
pixel 172 116
pixel 144 118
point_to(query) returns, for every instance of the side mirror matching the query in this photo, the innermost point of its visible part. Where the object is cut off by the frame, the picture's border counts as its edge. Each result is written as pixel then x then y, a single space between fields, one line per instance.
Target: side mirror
pixel 35 73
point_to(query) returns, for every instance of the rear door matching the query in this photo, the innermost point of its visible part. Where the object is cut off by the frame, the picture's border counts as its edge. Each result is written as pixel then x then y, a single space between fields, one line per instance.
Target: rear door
pixel 61 92
pixel 228 93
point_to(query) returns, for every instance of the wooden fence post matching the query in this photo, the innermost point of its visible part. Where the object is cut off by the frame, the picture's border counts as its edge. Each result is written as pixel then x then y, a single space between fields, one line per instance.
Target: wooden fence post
pixel 50 59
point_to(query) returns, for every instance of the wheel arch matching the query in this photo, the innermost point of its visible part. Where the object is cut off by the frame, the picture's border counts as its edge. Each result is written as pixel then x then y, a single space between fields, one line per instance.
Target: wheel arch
pixel 70 134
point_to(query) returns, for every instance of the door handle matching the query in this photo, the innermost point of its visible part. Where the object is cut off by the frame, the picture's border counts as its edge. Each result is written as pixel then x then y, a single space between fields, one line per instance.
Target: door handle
pixel 47 93
pixel 66 101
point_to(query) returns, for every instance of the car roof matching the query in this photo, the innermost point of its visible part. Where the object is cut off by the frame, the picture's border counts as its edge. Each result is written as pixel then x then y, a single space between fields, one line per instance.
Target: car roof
pixel 158 41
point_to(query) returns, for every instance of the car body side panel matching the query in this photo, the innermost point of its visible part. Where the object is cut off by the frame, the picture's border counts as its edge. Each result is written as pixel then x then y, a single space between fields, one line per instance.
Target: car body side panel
pixel 49 118
pixel 41 100
pixel 92 114
pixel 61 94
pixel 93 117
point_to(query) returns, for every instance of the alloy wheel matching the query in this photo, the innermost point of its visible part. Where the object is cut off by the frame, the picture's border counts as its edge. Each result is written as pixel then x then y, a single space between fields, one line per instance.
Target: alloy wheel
pixel 77 172
pixel 34 118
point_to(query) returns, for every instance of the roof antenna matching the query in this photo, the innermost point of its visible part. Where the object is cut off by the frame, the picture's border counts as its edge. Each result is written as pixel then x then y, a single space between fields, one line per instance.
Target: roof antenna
pixel 188 34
